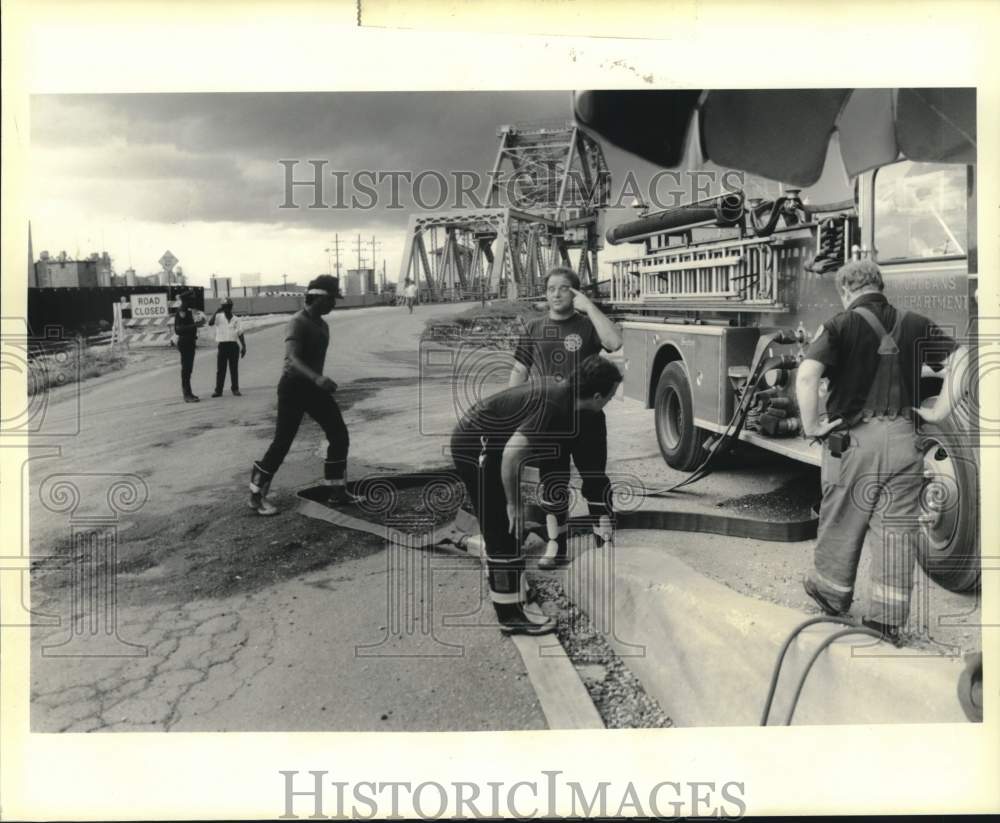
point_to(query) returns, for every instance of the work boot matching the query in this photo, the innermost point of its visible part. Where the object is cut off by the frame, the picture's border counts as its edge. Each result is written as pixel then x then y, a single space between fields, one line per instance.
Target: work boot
pixel 819 600
pixel 890 634
pixel 236 393
pixel 191 398
pixel 513 619
pixel 260 484
pixel 217 393
pixel 340 496
pixel 261 505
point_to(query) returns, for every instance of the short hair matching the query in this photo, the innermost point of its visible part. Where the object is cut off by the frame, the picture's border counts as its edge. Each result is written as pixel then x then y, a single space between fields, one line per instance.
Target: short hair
pixel 564 271
pixel 860 274
pixel 596 375
pixel 326 282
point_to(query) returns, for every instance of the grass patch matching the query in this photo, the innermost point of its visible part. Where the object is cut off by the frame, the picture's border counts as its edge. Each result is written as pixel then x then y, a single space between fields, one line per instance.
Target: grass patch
pixel 498 324
pixel 71 366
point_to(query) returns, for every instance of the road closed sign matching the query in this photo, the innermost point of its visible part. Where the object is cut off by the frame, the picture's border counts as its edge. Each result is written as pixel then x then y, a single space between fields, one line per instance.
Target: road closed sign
pixel 149 305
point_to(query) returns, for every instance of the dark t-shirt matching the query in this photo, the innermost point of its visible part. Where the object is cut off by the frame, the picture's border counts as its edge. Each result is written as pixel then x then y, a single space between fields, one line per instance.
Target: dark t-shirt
pixel 184 327
pixel 544 412
pixel 848 346
pixel 311 338
pixel 554 348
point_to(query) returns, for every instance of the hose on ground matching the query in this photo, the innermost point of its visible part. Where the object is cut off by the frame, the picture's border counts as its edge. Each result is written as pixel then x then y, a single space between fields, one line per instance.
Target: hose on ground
pixel 852 628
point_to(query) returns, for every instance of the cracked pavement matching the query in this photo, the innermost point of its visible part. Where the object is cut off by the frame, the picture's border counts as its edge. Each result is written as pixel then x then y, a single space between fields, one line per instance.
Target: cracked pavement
pixel 254 624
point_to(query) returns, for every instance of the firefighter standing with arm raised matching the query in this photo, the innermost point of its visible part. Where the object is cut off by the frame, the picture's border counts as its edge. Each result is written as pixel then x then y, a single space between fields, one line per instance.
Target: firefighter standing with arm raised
pixel 872 467
pixel 232 347
pixel 552 347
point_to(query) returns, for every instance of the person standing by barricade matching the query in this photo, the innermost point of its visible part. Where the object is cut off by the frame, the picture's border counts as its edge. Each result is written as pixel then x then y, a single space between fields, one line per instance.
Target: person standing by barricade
pixel 872 466
pixel 232 347
pixel 186 325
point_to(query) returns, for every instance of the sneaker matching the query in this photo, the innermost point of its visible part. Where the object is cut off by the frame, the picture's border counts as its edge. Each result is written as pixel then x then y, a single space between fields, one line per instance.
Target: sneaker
pixel 340 496
pixel 216 394
pixel 236 393
pixel 261 505
pixel 890 634
pixel 191 399
pixel 819 600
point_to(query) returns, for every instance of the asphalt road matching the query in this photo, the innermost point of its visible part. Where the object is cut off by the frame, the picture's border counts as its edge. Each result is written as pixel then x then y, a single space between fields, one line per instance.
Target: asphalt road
pixel 227 621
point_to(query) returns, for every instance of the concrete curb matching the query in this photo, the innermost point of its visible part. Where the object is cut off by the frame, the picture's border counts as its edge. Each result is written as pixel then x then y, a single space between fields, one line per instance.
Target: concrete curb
pixel 706 653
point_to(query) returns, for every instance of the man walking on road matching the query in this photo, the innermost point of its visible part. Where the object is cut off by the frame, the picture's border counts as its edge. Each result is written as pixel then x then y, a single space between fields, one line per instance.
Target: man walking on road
pixel 303 389
pixel 489 447
pixel 872 467
pixel 232 346
pixel 552 347
pixel 186 325
pixel 410 294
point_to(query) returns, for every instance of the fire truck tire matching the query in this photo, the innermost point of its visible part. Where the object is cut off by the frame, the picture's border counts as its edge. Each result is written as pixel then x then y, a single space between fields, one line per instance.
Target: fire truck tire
pixel 950 503
pixel 679 439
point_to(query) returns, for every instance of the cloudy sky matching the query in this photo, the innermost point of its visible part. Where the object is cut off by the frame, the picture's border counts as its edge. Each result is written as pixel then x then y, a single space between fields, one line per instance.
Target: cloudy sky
pixel 199 174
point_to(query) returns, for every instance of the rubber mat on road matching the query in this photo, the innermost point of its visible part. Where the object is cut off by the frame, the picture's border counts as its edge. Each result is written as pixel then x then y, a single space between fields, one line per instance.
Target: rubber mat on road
pixel 420 510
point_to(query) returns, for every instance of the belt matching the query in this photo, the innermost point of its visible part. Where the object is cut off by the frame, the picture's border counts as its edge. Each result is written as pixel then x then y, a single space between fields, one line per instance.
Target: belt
pixel 867 415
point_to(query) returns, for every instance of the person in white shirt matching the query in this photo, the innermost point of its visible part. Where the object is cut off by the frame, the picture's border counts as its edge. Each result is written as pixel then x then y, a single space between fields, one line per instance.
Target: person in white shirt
pixel 232 346
pixel 410 294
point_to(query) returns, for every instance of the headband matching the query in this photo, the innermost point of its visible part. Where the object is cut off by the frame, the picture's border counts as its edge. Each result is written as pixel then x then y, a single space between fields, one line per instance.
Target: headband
pixel 318 291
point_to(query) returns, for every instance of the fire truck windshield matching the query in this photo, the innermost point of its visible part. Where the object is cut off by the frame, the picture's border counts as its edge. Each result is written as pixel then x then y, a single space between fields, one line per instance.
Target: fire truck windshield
pixel 920 211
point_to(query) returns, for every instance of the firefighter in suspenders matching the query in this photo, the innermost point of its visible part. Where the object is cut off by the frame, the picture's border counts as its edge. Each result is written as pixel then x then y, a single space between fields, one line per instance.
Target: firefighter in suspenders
pixel 872 468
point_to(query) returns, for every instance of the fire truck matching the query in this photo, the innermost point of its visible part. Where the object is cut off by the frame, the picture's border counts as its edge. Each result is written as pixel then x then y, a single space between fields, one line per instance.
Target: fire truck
pixel 720 286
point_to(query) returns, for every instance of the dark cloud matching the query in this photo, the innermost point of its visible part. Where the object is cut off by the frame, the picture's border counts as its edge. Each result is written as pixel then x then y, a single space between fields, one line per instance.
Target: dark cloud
pixel 226 147
pixel 214 157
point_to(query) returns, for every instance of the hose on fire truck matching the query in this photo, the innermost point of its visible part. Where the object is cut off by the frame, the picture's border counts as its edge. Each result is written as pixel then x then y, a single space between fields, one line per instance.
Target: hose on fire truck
pixel 758 369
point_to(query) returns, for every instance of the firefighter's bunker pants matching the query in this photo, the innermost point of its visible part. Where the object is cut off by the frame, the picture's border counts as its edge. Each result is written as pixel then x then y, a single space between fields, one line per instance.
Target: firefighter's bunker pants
pixel 873 487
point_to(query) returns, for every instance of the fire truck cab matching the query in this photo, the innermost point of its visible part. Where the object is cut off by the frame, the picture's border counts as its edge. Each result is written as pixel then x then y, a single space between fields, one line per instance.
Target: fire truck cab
pixel 719 284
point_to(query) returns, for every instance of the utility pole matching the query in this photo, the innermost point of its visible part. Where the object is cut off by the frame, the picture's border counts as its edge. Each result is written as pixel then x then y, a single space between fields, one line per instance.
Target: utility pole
pixel 361 261
pixel 335 249
pixel 376 244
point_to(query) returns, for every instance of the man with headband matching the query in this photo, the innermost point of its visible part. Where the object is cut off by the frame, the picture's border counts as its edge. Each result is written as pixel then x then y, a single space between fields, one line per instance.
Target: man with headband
pixel 303 389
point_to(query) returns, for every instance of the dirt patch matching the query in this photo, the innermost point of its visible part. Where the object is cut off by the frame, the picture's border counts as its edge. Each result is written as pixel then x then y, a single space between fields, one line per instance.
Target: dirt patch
pixel 409 505
pixel 212 551
pixel 617 693
pixel 795 499
pixel 486 330
pixel 371 415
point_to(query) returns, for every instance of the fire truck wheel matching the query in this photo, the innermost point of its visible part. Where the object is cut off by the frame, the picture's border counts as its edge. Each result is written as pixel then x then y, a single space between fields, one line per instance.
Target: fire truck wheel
pixel 680 440
pixel 950 503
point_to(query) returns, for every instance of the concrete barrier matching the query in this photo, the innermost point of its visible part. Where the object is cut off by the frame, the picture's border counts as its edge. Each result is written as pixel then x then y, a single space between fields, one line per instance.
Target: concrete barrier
pixel 706 653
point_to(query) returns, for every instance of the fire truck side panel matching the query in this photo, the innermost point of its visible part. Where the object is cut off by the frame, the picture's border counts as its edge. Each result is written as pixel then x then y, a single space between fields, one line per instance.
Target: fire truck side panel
pixel 707 353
